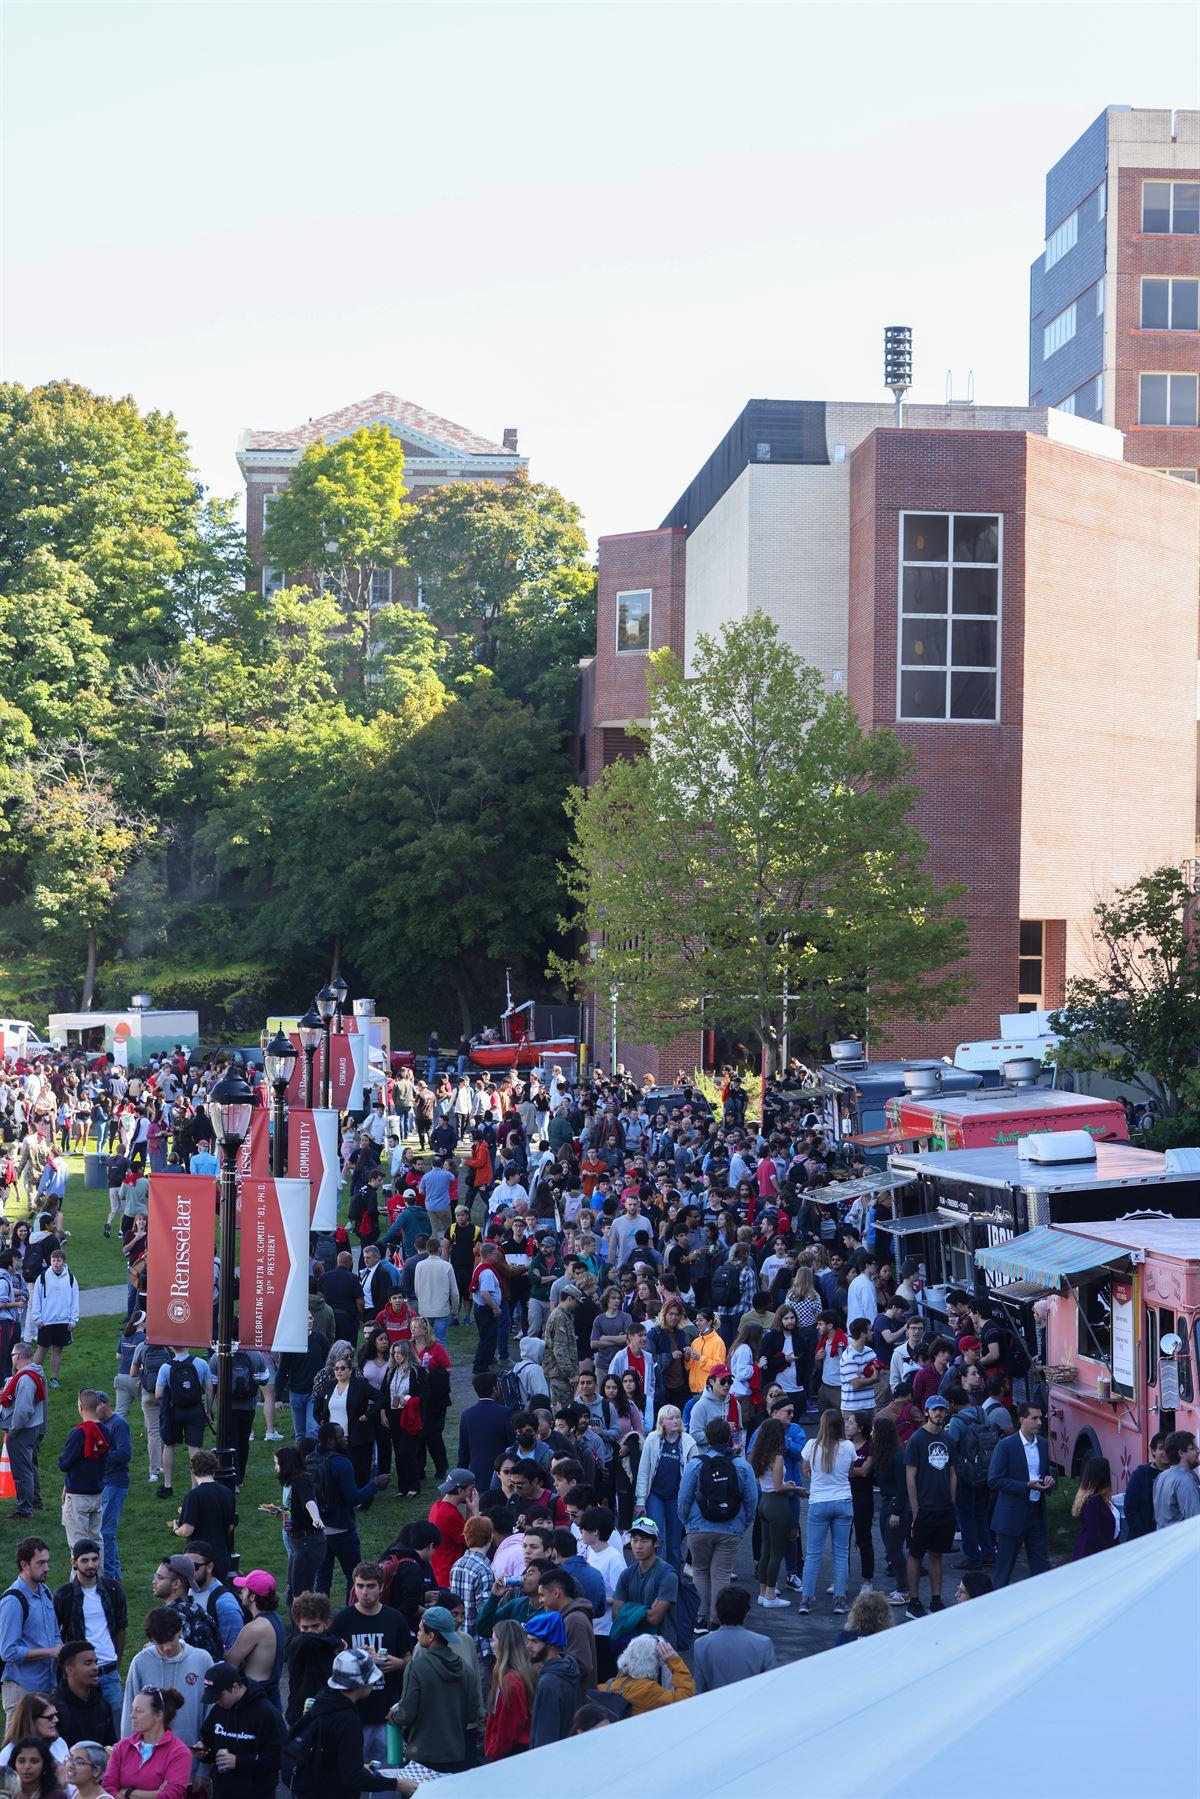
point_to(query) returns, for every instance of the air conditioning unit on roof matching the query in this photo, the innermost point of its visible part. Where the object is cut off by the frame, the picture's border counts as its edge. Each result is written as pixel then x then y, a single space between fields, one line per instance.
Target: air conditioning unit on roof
pixel 1052 1148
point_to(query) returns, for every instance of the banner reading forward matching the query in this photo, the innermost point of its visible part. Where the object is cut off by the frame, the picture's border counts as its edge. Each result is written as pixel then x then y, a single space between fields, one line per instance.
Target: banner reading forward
pixel 313 1157
pixel 348 1071
pixel 273 1266
pixel 179 1263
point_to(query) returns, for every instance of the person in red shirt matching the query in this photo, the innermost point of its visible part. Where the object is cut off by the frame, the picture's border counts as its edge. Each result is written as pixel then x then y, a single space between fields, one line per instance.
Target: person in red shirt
pixel 458 1501
pixel 590 1170
pixel 396 1318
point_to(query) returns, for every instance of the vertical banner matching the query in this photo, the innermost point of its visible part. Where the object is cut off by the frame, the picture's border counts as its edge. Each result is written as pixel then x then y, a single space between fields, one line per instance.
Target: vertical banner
pixel 1124 1354
pixel 179 1263
pixel 295 1086
pixel 273 1265
pixel 347 1069
pixel 313 1157
pixel 254 1155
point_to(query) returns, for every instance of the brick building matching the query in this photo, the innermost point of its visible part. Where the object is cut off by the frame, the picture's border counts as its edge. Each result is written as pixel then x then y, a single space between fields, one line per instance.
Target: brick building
pixel 979 581
pixel 435 451
pixel 1114 309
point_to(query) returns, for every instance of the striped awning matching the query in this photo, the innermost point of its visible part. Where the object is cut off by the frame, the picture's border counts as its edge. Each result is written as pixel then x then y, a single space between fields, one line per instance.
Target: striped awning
pixel 1046 1257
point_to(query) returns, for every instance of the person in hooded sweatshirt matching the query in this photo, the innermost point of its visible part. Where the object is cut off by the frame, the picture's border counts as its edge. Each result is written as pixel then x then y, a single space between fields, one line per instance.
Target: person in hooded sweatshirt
pixel 241 1739
pixel 331 1733
pixel 556 1696
pixel 436 1708
pixel 310 1653
pixel 558 1592
pixel 534 1390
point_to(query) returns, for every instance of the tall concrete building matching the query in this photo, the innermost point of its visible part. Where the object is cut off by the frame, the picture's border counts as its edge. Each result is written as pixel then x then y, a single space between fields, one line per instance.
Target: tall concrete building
pixel 978 581
pixel 1114 307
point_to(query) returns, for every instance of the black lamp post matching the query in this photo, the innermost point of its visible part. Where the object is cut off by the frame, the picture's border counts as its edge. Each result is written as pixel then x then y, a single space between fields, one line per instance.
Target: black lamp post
pixel 326 1004
pixel 309 1031
pixel 279 1057
pixel 230 1105
pixel 340 988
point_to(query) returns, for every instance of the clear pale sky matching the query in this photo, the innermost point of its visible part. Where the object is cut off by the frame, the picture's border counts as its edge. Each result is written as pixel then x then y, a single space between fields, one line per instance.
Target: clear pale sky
pixel 608 225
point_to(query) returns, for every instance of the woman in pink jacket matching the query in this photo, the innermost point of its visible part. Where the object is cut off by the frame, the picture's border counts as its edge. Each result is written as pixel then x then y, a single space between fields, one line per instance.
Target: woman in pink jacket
pixel 151 1762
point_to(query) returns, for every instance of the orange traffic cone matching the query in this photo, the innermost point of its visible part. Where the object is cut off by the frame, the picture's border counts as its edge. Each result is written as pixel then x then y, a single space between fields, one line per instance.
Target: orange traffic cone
pixel 8 1487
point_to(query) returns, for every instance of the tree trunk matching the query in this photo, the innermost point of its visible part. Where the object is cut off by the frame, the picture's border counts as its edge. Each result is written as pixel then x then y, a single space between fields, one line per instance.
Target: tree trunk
pixel 463 1006
pixel 337 959
pixel 89 979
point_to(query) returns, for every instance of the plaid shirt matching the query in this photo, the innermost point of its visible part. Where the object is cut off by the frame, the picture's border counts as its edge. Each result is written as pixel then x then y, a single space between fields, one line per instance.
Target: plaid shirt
pixel 471 1581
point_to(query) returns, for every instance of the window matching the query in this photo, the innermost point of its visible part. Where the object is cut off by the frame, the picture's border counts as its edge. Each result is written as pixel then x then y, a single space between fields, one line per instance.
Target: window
pixel 1062 239
pixel 1102 199
pixel 1059 331
pixel 1031 961
pixel 1171 208
pixel 1087 401
pixel 381 586
pixel 1167 399
pixel 1093 1324
pixel 1181 474
pixel 272 580
pixel 1098 293
pixel 269 500
pixel 633 621
pixel 949 650
pixel 1170 305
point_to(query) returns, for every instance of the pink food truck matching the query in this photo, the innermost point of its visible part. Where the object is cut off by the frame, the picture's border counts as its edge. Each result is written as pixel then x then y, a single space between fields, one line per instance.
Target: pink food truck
pixel 1122 1332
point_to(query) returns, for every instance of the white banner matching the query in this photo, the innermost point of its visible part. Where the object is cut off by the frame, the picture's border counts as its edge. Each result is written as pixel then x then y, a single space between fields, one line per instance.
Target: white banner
pixel 273 1284
pixel 313 1158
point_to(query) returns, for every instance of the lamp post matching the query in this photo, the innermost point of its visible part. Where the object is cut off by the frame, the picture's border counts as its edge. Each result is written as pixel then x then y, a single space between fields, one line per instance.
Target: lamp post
pixel 309 1031
pixel 279 1057
pixel 229 1107
pixel 341 990
pixel 326 1003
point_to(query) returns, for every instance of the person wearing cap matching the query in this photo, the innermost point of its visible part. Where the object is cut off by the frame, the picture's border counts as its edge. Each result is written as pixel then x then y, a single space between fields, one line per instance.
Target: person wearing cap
pixel 330 1734
pixel 560 1359
pixel 436 1707
pixel 458 1500
pixel 932 1493
pixel 241 1739
pixel 557 1694
pixel 716 1401
pixel 259 1645
pixel 650 1586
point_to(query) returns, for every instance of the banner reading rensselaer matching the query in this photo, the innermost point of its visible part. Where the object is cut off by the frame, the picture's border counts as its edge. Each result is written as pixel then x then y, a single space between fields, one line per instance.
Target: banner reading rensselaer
pixel 179 1260
pixel 273 1266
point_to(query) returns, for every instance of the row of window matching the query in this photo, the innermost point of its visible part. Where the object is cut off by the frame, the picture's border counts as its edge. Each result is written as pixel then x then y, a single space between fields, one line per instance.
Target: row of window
pixel 1169 209
pixel 1061 329
pixel 381 584
pixel 1087 401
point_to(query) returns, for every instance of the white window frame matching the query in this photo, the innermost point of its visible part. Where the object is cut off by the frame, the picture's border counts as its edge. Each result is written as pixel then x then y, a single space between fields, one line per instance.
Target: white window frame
pixel 268 500
pixel 996 618
pixel 1060 330
pixel 1172 282
pixel 1181 474
pixel 1158 181
pixel 1098 290
pixel 1102 199
pixel 384 576
pixel 634 593
pixel 272 580
pixel 1064 237
pixel 1170 376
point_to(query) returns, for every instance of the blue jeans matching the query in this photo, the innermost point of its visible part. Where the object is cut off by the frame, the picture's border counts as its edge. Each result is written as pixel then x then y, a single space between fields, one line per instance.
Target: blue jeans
pixel 441 1329
pixel 665 1513
pixel 114 1499
pixel 304 1419
pixel 829 1518
pixel 408 1123
pixel 111 1684
pixel 431 1070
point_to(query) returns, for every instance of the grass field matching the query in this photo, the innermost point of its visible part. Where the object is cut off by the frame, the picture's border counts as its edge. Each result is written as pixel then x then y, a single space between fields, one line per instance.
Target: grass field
pixel 144 1535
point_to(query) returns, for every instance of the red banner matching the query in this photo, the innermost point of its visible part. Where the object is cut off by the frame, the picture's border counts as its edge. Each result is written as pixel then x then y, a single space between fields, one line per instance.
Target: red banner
pixel 254 1156
pixel 313 1157
pixel 348 1071
pixel 273 1266
pixel 179 1263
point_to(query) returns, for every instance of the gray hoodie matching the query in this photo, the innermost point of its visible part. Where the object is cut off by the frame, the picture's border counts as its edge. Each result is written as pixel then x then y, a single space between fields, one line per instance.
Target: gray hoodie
pixel 185 1672
pixel 529 1371
pixel 28 1411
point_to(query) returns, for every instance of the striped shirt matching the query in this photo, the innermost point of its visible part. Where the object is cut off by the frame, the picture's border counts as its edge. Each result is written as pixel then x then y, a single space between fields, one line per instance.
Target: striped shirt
pixel 851 1365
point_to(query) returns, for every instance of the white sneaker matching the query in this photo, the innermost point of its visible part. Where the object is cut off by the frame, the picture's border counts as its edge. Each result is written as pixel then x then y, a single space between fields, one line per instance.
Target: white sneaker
pixel 773 1604
pixel 273 1436
pixel 866 1587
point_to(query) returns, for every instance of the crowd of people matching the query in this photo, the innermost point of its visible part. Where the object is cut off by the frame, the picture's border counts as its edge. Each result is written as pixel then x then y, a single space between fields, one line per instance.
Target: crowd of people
pixel 685 1341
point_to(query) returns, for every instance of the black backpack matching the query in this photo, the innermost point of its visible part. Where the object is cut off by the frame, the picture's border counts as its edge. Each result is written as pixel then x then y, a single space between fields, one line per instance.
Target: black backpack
pixel 1015 1355
pixel 184 1388
pixel 718 1494
pixel 301 1771
pixel 153 1358
pixel 727 1286
pixel 614 1705
pixel 243 1389
pixel 975 1451
pixel 510 1391
pixel 200 1628
pixel 317 1469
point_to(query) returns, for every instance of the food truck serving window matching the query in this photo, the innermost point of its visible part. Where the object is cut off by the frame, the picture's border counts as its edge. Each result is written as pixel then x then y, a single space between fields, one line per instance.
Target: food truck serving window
pixel 1094 1326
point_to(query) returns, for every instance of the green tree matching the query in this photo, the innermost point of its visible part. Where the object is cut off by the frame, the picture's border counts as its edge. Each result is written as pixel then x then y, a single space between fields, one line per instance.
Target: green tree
pixel 53 665
pixel 339 522
pixel 761 846
pixel 504 569
pixel 82 842
pixel 1135 1016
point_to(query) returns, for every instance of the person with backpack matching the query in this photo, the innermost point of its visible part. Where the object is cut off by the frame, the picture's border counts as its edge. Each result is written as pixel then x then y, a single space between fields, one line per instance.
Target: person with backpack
pixel 718 1496
pixel 245 1381
pixel 212 1595
pixel 30 1639
pixel 53 1311
pixel 324 1758
pixel 339 1497
pixel 973 1438
pixel 148 1358
pixel 183 1387
pixel 23 1413
pixel 174 1584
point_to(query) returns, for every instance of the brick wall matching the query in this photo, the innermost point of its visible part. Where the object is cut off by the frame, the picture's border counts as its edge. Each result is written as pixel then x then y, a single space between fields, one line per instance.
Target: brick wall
pixel 635 560
pixel 1150 351
pixel 1054 962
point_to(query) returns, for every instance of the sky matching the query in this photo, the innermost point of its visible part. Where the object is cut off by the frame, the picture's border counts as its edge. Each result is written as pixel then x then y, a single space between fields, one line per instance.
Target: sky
pixel 609 225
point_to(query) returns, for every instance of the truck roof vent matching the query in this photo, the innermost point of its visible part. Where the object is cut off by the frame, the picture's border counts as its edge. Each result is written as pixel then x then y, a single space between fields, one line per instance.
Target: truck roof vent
pixel 924 1079
pixel 848 1053
pixel 140 1002
pixel 1056 1147
pixel 1021 1071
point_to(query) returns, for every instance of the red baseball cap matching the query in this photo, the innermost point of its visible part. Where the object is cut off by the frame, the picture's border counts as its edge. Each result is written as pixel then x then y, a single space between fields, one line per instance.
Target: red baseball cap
pixel 720 1372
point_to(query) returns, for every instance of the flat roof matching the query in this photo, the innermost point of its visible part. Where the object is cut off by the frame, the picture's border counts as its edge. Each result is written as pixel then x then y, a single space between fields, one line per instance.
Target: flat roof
pixel 1000 1101
pixel 1178 1237
pixel 1116 1165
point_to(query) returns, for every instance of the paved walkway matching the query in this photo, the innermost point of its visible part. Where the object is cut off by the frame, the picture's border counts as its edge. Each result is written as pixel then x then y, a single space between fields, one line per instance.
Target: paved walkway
pixel 102 1302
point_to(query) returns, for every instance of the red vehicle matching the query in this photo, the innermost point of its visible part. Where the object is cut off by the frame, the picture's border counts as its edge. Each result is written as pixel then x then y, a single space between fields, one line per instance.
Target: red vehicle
pixel 996 1116
pixel 517 1046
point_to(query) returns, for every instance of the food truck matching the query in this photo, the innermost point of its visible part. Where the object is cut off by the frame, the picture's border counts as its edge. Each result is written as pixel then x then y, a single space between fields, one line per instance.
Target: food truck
pixel 993 1116
pixel 956 1202
pixel 1122 1331
pixel 131 1037
pixel 855 1092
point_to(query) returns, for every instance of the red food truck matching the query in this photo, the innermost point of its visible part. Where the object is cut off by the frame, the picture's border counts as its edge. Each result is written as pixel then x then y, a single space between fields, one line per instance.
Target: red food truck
pixel 995 1116
pixel 1122 1331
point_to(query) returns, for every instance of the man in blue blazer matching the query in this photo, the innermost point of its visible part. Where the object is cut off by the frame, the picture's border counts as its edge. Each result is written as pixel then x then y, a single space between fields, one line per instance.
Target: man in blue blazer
pixel 1019 1475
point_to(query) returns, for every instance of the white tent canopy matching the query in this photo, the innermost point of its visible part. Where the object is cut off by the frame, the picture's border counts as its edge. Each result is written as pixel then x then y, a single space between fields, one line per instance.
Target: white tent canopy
pixel 1085 1680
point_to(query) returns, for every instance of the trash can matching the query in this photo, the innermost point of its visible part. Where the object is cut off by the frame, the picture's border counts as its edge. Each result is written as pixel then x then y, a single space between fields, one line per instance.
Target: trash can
pixel 95 1173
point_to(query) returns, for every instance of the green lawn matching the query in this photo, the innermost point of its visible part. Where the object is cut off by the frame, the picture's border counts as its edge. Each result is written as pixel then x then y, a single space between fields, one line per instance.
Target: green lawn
pixel 144 1536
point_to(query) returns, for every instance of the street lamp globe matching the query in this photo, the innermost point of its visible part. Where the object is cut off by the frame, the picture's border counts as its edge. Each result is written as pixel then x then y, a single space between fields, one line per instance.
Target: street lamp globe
pixel 310 1029
pixel 326 1003
pixel 279 1057
pixel 230 1105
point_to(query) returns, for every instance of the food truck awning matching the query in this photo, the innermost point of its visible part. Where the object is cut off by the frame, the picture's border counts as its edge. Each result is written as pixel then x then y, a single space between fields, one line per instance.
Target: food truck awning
pixel 1046 1256
pixel 924 1221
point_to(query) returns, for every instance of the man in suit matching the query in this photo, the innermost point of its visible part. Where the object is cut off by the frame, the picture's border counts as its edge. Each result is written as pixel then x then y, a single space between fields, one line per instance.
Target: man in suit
pixel 1019 1475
